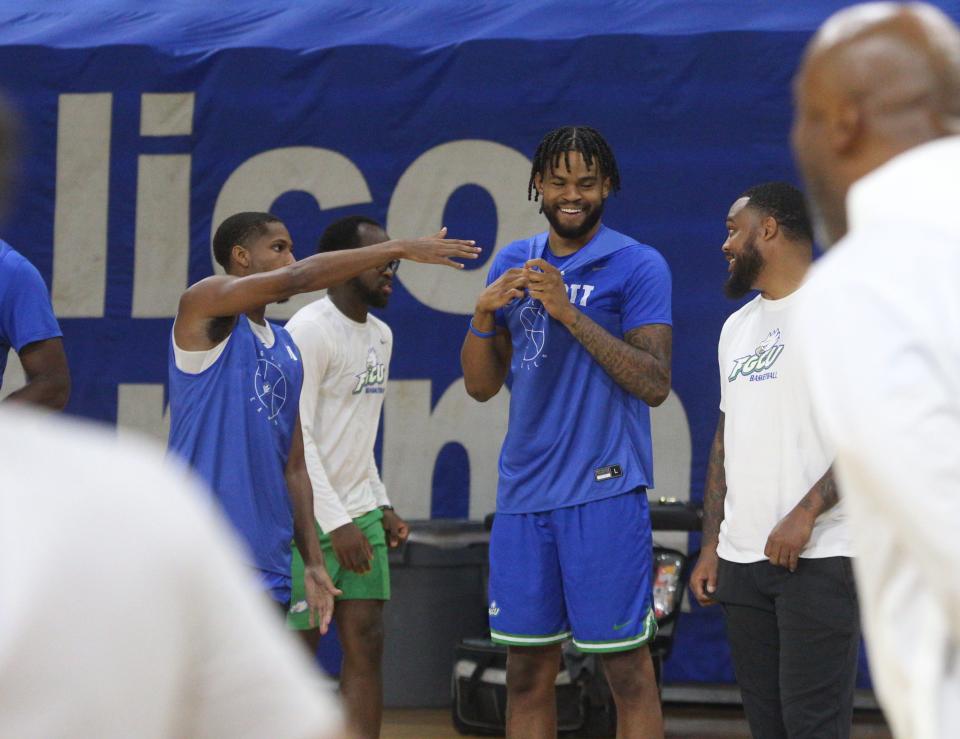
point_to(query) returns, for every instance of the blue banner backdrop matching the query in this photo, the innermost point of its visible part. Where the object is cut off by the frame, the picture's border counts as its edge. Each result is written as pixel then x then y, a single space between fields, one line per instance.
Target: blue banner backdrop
pixel 135 150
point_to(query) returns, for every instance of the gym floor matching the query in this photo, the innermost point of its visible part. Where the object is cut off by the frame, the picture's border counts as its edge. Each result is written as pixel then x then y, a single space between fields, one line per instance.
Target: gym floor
pixel 682 721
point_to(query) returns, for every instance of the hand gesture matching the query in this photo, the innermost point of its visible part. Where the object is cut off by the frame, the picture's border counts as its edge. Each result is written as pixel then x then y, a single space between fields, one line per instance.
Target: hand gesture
pixel 396 528
pixel 788 538
pixel 352 548
pixel 437 249
pixel 320 592
pixel 508 286
pixel 703 579
pixel 547 286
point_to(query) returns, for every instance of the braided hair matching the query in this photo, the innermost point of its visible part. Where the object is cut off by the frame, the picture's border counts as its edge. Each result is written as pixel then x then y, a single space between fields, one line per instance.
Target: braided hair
pixel 560 142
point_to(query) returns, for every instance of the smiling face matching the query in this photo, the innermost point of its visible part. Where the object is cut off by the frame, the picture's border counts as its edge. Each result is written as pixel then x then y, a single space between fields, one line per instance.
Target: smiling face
pixel 374 286
pixel 573 197
pixel 745 262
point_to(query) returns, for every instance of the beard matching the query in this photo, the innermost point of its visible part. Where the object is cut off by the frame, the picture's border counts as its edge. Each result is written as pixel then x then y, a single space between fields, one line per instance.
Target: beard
pixel 746 269
pixel 373 297
pixel 591 218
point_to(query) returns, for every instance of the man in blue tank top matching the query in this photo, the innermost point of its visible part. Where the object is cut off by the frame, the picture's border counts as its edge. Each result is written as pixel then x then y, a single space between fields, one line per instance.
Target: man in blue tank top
pixel 235 388
pixel 580 316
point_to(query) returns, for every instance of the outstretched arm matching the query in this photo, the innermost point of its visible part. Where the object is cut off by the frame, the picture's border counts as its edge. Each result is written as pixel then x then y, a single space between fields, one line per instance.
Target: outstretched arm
pixel 228 295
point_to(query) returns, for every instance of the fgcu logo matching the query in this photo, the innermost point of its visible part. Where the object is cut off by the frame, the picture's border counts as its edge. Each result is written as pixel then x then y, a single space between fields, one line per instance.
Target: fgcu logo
pixel 533 318
pixel 762 359
pixel 372 376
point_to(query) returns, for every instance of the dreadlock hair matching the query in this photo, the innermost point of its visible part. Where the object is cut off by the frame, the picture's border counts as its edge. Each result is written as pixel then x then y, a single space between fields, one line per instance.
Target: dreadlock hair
pixel 236 230
pixel 560 142
pixel 786 205
pixel 343 233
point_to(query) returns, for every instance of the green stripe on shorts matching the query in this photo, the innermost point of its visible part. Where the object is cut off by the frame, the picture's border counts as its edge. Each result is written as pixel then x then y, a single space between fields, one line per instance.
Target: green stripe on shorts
pixel 524 640
pixel 622 645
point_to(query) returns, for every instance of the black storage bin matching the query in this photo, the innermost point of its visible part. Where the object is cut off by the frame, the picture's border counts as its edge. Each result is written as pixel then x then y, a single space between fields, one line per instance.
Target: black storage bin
pixel 438 599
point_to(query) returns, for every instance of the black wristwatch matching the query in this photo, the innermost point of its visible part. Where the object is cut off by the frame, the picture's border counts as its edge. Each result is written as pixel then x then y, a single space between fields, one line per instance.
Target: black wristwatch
pixel 386 508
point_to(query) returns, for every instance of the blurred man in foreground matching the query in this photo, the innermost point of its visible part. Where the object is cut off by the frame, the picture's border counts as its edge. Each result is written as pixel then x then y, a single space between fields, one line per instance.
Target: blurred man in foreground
pixel 134 617
pixel 875 135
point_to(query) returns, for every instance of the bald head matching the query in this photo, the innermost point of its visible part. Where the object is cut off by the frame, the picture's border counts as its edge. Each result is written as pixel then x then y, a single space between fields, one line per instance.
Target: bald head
pixel 895 59
pixel 876 80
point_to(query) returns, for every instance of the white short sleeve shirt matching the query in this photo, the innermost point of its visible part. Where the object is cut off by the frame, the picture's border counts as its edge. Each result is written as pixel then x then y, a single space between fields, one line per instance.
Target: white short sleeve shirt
pixel 774 452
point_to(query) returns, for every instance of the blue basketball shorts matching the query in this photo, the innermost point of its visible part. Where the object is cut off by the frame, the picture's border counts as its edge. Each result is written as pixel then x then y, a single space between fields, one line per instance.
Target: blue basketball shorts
pixel 584 571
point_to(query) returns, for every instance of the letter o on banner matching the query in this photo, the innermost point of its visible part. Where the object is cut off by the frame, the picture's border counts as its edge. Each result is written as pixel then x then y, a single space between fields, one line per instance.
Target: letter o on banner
pixel 328 176
pixel 421 195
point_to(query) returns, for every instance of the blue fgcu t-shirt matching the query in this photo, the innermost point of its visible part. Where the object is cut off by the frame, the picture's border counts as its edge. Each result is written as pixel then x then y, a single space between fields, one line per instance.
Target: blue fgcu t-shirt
pixel 568 419
pixel 25 312
pixel 233 423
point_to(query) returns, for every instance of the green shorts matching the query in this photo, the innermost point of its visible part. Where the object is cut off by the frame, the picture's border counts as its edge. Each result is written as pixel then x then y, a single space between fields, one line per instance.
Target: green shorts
pixel 374 585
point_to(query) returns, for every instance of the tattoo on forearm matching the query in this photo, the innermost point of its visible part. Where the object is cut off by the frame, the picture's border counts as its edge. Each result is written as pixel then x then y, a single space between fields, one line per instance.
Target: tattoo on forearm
pixel 639 363
pixel 715 489
pixel 823 495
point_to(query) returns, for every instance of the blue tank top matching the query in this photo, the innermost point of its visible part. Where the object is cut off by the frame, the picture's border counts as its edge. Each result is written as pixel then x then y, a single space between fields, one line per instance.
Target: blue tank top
pixel 233 423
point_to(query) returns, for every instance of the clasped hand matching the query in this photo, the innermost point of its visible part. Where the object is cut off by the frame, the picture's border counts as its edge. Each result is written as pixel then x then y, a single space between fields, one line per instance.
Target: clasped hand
pixel 545 283
pixel 540 279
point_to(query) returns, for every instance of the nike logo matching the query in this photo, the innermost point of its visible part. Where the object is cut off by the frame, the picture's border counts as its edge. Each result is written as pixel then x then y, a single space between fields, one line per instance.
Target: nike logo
pixel 620 626
pixel 383 341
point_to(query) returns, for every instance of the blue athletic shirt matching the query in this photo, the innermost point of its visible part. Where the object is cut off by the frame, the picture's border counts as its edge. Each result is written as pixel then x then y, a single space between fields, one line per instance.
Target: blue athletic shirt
pixel 233 423
pixel 26 315
pixel 571 426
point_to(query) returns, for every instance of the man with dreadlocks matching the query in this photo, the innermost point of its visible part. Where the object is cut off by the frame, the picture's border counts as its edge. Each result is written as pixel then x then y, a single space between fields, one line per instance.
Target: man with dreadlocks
pixel 581 315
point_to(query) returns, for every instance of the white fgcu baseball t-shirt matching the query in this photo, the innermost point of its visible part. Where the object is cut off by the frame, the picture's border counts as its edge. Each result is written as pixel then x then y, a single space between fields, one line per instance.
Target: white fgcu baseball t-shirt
pixel 774 452
pixel 345 369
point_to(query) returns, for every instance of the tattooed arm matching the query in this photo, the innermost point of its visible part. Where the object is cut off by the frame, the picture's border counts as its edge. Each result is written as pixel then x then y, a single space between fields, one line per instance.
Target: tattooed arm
pixel 715 490
pixel 790 536
pixel 703 580
pixel 822 496
pixel 639 363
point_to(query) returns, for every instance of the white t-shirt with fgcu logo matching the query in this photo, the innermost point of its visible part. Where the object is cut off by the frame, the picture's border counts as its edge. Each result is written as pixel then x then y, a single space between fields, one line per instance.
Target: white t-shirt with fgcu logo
pixel 345 369
pixel 774 452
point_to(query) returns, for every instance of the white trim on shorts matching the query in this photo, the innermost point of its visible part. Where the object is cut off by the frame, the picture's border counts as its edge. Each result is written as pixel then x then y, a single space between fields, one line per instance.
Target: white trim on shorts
pixel 498 637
